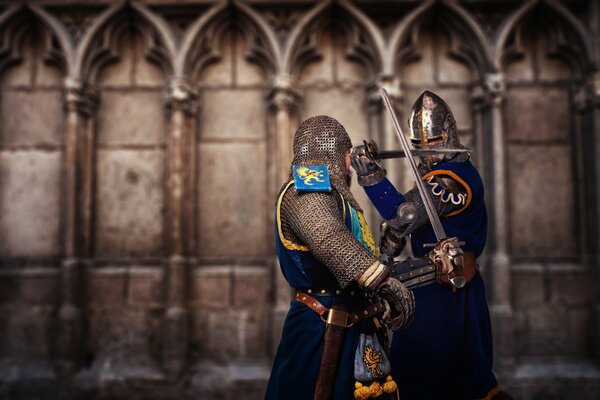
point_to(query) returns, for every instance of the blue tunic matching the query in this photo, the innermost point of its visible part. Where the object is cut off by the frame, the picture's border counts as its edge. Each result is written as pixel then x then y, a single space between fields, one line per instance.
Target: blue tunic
pixel 298 358
pixel 446 351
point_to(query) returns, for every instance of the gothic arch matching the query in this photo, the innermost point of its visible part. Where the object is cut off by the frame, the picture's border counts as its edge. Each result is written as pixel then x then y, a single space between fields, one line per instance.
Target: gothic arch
pixel 57 45
pixel 365 41
pixel 199 45
pixel 578 56
pixel 402 46
pixel 99 44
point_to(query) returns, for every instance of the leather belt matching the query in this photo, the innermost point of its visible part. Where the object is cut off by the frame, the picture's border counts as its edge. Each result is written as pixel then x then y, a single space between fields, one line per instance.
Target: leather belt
pixel 336 317
pixel 329 292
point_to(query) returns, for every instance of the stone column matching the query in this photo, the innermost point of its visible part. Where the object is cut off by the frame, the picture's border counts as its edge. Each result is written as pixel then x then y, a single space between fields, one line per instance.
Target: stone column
pixel 78 178
pixel 589 106
pixel 182 105
pixel 284 99
pixel 499 260
pixel 383 130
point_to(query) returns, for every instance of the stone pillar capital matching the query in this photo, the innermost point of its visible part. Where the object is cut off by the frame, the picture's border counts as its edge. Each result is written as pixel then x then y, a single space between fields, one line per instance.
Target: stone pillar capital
pixel 80 97
pixel 588 94
pixel 283 93
pixel 182 96
pixel 494 85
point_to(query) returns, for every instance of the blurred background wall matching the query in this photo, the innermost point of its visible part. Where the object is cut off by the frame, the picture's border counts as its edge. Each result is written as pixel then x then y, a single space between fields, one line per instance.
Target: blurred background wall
pixel 142 145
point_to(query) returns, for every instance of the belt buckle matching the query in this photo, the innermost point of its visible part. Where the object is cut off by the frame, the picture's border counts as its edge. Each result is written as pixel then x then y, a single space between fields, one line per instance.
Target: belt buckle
pixel 336 317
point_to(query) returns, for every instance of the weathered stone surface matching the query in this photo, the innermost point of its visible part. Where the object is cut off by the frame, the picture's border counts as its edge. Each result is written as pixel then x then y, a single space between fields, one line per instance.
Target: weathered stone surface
pixel 450 70
pixel 572 287
pixel 132 117
pixel 29 203
pixel 232 200
pixel 130 202
pixel 533 180
pixel 421 72
pixel 146 287
pixel 21 74
pixel 221 72
pixel 126 335
pixel 542 331
pixel 347 106
pixel 520 70
pixel 239 333
pixel 233 114
pixel 251 286
pixel 31 118
pixel 528 288
pixel 211 286
pixel 119 73
pixel 107 286
pixel 39 287
pixel 26 332
pixel 538 114
pixel 321 71
pixel 551 68
pixel 246 72
pixel 145 73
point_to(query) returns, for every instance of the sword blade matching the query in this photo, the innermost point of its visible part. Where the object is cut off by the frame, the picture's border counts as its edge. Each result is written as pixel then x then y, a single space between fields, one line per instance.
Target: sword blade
pixel 438 229
pixel 387 154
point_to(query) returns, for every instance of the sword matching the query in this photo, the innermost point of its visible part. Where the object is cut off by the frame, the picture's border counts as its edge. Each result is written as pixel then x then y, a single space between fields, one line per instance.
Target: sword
pixel 434 219
pixel 387 154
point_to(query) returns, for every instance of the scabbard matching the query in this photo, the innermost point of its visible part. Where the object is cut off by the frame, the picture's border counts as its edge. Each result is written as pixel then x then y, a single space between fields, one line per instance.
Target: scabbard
pixel 337 323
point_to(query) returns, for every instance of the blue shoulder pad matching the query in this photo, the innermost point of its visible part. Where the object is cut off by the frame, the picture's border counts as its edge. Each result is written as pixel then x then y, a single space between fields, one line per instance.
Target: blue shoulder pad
pixel 311 178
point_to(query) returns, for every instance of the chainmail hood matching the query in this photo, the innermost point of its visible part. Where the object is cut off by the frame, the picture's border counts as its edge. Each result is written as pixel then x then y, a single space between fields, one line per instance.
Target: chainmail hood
pixel 322 140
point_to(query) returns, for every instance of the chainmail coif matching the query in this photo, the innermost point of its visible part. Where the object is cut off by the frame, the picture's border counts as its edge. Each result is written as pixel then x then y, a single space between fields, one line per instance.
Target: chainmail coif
pixel 322 140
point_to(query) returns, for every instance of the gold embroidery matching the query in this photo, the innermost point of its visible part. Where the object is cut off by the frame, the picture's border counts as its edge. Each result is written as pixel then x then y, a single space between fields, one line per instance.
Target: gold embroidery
pixel 372 359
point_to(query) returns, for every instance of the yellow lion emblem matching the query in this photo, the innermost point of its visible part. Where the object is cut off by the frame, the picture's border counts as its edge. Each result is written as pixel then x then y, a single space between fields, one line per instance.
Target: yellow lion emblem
pixel 372 359
pixel 308 175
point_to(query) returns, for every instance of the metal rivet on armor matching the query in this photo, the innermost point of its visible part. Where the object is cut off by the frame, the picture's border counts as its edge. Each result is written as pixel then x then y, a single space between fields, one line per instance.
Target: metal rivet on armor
pixel 323 291
pixel 374 308
pixel 303 297
pixel 338 292
pixel 356 317
pixel 366 312
pixel 309 290
pixel 314 304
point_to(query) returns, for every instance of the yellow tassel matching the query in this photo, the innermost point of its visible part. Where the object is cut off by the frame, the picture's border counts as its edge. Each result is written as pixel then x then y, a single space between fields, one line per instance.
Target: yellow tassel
pixel 362 392
pixel 376 389
pixel 389 386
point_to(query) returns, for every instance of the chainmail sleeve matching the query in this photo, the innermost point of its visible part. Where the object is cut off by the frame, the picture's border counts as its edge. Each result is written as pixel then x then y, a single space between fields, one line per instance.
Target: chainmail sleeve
pixel 316 220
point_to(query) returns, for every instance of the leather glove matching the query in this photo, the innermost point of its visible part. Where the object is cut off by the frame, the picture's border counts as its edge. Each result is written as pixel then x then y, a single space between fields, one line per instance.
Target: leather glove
pixel 401 302
pixel 391 242
pixel 448 256
pixel 368 171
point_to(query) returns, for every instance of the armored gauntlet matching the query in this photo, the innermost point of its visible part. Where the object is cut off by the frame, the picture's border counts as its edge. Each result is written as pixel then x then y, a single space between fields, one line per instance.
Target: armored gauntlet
pixel 368 171
pixel 448 256
pixel 400 300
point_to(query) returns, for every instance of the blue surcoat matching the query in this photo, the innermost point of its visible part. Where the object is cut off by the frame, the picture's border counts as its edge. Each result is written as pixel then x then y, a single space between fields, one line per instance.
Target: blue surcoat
pixel 296 365
pixel 446 351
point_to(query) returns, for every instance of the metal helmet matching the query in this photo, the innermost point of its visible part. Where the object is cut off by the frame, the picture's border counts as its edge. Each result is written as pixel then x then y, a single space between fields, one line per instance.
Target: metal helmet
pixel 322 140
pixel 432 125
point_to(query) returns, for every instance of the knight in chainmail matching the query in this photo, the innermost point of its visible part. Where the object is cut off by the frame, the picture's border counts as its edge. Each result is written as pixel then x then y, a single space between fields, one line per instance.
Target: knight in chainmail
pixel 328 255
pixel 450 340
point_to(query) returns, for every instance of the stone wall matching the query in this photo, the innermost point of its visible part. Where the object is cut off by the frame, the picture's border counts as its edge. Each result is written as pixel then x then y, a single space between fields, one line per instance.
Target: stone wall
pixel 142 145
